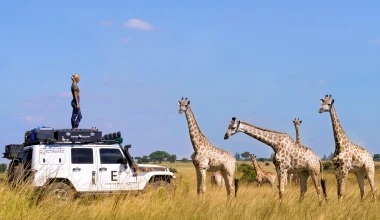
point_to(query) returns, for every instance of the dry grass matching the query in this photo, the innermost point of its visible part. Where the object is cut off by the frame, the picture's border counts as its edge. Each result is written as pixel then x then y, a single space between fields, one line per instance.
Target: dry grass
pixel 252 203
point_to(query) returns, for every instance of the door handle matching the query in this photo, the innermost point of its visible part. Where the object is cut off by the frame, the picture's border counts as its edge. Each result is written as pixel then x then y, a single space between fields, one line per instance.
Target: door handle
pixel 102 169
pixel 76 169
pixel 93 178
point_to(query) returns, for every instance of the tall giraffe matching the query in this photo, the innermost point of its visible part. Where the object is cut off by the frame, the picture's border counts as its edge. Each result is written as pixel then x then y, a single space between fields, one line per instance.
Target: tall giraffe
pixel 288 156
pixel 348 156
pixel 261 175
pixel 206 156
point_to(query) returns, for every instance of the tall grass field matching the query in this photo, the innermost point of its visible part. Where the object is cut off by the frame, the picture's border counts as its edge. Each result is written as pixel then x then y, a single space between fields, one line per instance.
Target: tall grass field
pixel 251 202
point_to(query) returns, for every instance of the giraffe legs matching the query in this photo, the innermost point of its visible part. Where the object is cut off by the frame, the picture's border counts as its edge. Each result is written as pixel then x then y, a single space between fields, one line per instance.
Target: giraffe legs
pixel 304 176
pixel 199 178
pixel 202 180
pixel 228 179
pixel 258 181
pixel 370 172
pixel 317 185
pixel 272 180
pixel 360 176
pixel 282 175
pixel 341 176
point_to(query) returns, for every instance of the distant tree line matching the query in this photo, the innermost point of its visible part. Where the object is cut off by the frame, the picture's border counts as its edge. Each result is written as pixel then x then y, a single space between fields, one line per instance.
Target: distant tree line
pixel 245 156
pixel 157 157
pixel 376 157
pixel 3 167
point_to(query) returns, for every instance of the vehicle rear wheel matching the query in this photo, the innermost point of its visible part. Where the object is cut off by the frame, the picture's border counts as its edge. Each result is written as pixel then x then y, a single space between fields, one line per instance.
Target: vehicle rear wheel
pixel 15 174
pixel 59 191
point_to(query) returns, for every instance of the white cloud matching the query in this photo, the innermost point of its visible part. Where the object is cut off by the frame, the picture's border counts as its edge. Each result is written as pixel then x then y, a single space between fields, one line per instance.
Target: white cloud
pixel 138 24
pixel 108 125
pixel 126 39
pixel 65 95
pixel 320 82
pixel 47 98
pixel 29 118
pixel 106 23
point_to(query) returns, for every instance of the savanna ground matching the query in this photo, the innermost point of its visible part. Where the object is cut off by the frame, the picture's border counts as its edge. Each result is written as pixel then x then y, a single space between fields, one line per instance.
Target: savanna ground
pixel 252 202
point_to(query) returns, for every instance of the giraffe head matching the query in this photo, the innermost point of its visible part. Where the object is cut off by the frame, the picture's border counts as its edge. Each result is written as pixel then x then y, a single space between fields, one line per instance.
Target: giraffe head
pixel 297 123
pixel 183 104
pixel 233 128
pixel 326 104
pixel 252 157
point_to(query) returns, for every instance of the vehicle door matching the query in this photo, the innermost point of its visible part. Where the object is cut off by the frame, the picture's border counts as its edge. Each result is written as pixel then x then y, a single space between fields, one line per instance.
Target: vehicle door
pixel 113 174
pixel 83 168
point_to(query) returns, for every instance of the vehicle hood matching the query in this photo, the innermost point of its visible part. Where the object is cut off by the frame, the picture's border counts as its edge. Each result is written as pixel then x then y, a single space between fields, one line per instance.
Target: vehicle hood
pixel 151 167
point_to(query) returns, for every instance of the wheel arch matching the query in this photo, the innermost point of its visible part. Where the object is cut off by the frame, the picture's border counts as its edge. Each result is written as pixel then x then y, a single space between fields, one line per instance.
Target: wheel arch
pixel 60 180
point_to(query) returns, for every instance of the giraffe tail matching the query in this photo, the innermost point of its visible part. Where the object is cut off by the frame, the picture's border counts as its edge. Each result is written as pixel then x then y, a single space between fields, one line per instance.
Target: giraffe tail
pixel 236 180
pixel 236 186
pixel 323 181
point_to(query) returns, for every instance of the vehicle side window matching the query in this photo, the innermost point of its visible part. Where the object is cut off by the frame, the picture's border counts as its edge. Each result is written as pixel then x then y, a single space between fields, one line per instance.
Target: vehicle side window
pixel 82 156
pixel 110 156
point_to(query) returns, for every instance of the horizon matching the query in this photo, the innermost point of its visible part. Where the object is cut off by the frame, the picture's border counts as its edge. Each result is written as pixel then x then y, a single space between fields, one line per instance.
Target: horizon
pixel 263 63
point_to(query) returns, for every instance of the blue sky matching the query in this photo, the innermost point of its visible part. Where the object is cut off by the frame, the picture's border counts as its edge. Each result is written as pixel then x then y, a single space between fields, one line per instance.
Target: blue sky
pixel 264 63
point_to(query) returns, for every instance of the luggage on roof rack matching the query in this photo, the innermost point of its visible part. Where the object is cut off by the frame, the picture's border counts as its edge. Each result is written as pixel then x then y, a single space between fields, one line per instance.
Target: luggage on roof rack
pixel 80 135
pixel 39 134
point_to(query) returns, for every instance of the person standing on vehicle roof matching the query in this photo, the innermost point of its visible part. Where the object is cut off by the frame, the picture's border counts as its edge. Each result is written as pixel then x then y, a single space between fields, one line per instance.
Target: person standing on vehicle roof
pixel 77 114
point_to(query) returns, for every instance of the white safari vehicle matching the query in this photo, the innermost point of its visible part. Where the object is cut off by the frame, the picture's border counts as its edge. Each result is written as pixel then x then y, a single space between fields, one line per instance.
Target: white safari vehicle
pixel 69 162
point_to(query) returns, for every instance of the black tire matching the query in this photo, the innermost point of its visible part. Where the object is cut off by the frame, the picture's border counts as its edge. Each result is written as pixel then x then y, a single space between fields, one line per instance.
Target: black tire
pixel 59 191
pixel 157 184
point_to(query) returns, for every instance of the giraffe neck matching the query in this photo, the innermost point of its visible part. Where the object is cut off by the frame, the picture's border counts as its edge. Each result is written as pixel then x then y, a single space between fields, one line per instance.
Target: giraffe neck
pixel 298 137
pixel 268 137
pixel 339 134
pixel 256 166
pixel 195 132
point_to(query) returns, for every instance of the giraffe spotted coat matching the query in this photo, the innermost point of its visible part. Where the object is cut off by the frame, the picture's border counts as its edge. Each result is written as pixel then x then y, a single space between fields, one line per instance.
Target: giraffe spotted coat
pixel 348 156
pixel 206 156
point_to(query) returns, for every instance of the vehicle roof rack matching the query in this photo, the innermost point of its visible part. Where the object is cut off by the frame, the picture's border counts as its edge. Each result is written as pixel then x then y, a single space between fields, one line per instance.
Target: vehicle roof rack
pixel 69 136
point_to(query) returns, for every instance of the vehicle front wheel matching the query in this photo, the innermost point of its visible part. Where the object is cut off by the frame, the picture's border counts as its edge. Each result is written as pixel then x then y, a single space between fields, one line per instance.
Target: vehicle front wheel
pixel 158 185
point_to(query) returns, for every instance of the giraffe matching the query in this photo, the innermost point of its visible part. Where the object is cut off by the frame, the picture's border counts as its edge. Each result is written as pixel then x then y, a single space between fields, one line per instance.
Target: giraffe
pixel 348 156
pixel 217 179
pixel 288 156
pixel 206 156
pixel 297 122
pixel 261 175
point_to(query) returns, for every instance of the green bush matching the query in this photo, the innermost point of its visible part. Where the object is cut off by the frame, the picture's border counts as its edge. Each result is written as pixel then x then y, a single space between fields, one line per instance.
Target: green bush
pixel 327 165
pixel 377 167
pixel 249 174
pixel 173 170
pixel 266 164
